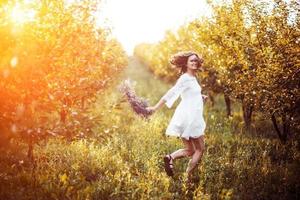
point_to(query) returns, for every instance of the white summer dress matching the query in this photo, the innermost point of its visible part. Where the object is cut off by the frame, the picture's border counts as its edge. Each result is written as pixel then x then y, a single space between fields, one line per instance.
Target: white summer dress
pixel 187 120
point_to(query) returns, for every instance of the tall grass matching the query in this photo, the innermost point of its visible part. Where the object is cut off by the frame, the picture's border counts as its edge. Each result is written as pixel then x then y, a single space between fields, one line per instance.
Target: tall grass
pixel 123 160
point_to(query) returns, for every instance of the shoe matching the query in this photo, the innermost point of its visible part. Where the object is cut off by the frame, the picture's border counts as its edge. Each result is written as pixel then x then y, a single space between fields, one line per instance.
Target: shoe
pixel 168 165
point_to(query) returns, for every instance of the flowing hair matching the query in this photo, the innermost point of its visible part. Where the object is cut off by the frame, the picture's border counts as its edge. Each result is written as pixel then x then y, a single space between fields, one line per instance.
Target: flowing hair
pixel 179 60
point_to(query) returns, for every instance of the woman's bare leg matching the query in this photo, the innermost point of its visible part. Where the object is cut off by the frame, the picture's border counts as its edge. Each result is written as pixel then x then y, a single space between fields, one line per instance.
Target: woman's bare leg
pixel 187 151
pixel 199 150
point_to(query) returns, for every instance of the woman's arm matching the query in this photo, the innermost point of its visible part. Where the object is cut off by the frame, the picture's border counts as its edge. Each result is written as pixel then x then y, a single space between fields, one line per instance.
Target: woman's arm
pixel 157 106
pixel 172 94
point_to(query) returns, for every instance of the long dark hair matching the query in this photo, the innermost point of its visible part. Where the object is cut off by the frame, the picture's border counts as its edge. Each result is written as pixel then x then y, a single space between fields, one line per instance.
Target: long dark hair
pixel 179 60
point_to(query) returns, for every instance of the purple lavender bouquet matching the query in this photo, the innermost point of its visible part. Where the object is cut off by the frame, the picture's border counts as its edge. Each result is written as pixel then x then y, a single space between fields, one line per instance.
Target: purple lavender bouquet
pixel 138 104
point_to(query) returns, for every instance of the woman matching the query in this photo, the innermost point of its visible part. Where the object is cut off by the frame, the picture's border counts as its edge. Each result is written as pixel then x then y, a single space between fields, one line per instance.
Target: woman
pixel 187 121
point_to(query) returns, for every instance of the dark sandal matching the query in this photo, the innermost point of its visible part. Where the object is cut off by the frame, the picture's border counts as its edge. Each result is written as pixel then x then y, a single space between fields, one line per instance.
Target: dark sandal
pixel 168 165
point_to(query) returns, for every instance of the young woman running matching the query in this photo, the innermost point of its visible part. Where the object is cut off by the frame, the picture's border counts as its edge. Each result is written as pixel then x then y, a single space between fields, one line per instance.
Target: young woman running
pixel 187 121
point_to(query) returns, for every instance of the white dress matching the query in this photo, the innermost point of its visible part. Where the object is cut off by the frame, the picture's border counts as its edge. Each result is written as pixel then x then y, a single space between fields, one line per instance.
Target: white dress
pixel 187 120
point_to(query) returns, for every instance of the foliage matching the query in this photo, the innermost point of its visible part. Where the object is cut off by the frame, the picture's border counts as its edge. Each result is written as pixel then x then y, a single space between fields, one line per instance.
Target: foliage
pixel 52 68
pixel 251 52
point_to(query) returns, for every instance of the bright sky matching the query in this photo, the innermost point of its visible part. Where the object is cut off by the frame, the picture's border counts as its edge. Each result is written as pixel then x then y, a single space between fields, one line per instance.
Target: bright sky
pixel 136 21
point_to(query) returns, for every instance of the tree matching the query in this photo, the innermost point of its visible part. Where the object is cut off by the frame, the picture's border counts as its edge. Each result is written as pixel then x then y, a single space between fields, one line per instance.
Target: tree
pixel 53 67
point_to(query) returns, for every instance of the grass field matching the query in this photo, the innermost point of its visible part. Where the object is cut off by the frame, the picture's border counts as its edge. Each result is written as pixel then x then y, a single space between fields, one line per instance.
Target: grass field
pixel 123 160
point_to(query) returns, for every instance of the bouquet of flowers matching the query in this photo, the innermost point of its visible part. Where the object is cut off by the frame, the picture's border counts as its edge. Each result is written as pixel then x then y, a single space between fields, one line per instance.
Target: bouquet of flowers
pixel 138 104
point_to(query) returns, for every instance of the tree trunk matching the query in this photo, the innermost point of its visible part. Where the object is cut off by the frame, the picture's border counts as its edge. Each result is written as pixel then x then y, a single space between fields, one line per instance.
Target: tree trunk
pixel 30 150
pixel 228 104
pixel 212 99
pixel 247 113
pixel 286 128
pixel 63 115
pixel 82 103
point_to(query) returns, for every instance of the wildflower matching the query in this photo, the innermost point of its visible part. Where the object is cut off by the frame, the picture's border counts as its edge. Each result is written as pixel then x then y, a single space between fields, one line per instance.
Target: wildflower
pixel 138 104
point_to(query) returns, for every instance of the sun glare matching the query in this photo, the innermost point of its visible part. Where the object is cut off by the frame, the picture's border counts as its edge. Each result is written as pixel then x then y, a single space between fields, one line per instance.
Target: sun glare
pixel 14 61
pixel 20 15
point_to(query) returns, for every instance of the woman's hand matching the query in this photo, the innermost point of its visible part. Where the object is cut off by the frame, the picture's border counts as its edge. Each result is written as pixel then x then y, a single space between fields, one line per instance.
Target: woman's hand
pixel 204 97
pixel 151 109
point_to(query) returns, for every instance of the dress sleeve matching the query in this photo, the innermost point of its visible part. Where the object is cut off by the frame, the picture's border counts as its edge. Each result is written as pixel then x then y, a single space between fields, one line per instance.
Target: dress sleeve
pixel 172 94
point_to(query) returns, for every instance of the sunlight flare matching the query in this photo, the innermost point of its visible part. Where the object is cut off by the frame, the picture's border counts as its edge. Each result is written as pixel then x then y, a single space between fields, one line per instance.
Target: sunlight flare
pixel 14 61
pixel 20 15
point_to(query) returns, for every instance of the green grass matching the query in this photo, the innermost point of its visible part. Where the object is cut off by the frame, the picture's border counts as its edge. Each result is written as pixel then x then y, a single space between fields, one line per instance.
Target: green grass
pixel 123 160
